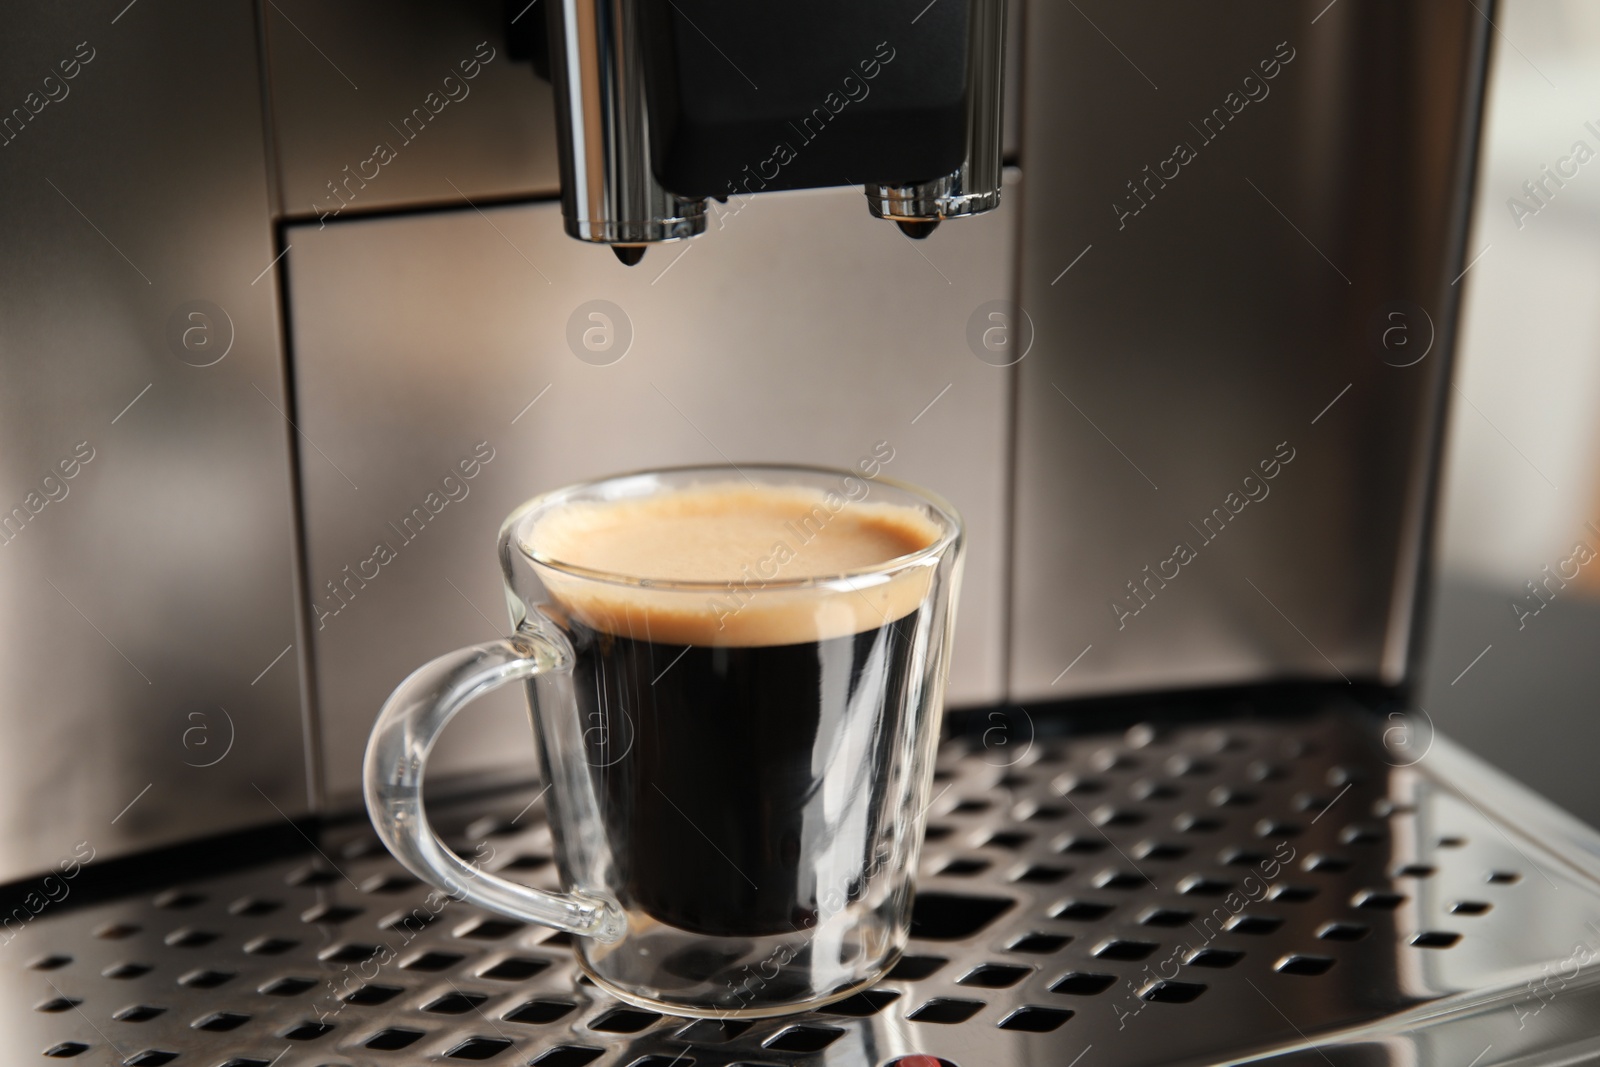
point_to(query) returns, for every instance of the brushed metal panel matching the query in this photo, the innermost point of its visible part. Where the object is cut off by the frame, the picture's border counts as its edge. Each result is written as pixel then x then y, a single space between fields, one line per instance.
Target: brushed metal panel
pixel 1220 314
pixel 799 330
pixel 345 76
pixel 147 600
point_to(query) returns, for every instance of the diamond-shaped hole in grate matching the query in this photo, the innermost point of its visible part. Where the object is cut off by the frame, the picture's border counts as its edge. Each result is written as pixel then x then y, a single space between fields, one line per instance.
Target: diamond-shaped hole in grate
pixel 127 970
pixel 491 929
pixel 1242 857
pixel 1083 984
pixel 221 1022
pixel 285 987
pixel 1038 943
pixel 539 1011
pixel 269 946
pixel 1343 931
pixel 964 867
pixel 116 931
pixel 191 938
pixel 916 968
pixel 253 907
pixel 308 1031
pixel 138 1013
pixel 1168 992
pixel 1035 1020
pixel 1082 911
pixel 389 883
pixel 569 1056
pixel 1123 949
pixel 804 1038
pixel 1291 893
pixel 952 917
pixel 515 969
pixel 1435 939
pixel 624 1020
pixel 353 952
pixel 372 995
pixel 205 979
pixel 1304 965
pixel 1215 958
pixel 66 1050
pixel 1360 835
pixel 1200 886
pixel 433 962
pixel 1123 880
pixel 456 1003
pixel 1166 917
pixel 946 1010
pixel 479 1048
pixel 150 1057
pixel 1083 845
pixel 393 1039
pixel 994 976
pixel 330 913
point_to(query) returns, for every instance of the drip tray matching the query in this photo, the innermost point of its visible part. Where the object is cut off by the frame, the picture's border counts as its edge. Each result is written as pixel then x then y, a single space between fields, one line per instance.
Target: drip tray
pixel 1201 893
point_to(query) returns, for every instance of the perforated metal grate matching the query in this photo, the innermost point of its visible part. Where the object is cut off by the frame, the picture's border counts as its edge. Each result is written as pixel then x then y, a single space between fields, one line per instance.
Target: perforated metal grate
pixel 1198 892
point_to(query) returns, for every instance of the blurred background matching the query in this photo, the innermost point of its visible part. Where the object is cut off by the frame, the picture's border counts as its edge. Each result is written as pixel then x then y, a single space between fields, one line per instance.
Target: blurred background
pixel 1522 462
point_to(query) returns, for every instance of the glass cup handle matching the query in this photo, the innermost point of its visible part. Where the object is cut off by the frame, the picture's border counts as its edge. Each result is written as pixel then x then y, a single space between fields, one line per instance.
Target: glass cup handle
pixel 397 754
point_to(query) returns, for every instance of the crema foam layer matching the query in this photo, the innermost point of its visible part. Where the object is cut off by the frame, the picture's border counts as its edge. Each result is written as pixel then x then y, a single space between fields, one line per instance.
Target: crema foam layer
pixel 749 541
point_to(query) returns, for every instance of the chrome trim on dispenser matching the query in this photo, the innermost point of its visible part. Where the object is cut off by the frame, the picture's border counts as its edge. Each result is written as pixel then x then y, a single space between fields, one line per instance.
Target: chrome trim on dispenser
pixel 975 187
pixel 609 193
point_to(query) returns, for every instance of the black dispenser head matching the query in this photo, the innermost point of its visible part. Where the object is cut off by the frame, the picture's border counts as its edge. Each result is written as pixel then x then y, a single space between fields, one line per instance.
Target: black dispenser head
pixel 664 104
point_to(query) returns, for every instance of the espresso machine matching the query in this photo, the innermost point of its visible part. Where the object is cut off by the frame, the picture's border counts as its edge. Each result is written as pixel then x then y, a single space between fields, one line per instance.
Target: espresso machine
pixel 1167 310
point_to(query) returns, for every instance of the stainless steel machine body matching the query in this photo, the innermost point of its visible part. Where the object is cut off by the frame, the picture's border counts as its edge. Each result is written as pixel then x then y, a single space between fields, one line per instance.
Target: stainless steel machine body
pixel 1161 381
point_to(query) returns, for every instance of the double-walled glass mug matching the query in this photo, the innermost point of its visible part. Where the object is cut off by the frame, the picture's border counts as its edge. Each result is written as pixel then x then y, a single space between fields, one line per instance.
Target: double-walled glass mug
pixel 736 678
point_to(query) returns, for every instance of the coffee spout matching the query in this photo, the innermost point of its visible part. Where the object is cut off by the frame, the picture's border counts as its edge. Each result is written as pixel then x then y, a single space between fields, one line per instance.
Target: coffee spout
pixel 917 229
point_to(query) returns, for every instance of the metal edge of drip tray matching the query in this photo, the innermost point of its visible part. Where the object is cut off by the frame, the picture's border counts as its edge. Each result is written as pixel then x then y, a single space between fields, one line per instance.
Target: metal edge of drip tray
pixel 1285 890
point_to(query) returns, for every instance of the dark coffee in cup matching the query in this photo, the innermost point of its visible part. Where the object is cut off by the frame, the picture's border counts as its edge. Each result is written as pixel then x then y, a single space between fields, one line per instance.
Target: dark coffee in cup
pixel 730 730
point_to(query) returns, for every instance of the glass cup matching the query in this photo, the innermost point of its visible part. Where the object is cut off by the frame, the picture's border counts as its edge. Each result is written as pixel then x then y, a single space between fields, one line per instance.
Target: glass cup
pixel 738 771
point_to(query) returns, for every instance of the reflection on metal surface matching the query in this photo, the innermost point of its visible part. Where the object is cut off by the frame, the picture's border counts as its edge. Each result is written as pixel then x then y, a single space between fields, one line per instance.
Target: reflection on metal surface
pixel 1209 892
pixel 976 186
pixel 1297 176
pixel 609 191
pixel 151 576
pixel 492 134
